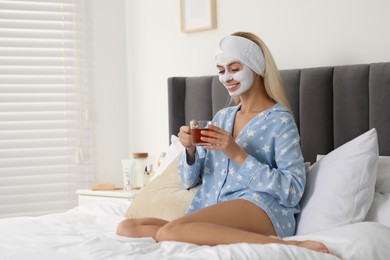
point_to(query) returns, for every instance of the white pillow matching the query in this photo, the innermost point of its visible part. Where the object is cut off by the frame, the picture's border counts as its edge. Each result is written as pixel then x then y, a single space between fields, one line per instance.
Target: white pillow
pixel 340 187
pixel 383 176
pixel 171 154
pixel 380 209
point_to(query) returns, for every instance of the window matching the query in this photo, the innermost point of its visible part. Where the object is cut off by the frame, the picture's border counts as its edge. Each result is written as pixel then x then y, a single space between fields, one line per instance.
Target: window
pixel 46 138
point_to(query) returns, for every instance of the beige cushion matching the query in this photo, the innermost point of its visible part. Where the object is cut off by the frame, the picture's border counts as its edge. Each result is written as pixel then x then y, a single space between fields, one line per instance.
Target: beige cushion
pixel 163 198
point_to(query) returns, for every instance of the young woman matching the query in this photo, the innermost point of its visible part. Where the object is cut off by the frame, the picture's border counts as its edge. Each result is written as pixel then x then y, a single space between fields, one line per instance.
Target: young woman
pixel 251 173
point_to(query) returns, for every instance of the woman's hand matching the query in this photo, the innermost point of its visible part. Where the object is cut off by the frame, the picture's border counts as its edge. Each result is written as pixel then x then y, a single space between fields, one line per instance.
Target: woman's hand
pixel 221 140
pixel 186 140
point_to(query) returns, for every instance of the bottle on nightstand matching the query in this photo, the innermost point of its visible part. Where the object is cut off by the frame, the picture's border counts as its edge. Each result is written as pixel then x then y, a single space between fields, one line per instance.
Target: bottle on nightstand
pixel 148 174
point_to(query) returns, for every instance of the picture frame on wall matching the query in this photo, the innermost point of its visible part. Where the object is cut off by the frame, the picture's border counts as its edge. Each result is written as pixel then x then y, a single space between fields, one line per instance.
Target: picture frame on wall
pixel 198 15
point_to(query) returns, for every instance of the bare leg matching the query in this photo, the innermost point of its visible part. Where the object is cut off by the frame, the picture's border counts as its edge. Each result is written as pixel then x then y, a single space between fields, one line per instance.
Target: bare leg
pixel 236 221
pixel 141 227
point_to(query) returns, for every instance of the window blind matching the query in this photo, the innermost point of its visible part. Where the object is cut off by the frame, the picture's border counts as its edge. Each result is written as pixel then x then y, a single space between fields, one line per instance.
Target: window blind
pixel 46 138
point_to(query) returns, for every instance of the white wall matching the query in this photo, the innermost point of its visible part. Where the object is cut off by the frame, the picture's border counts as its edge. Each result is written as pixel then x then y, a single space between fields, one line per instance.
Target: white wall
pixel 300 33
pixel 110 89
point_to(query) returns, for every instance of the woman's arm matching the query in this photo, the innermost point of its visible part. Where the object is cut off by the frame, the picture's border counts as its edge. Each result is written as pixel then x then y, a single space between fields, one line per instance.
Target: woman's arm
pixel 190 173
pixel 190 165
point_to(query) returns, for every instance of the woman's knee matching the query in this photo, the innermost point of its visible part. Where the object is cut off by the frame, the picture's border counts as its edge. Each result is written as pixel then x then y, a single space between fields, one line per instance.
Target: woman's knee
pixel 128 227
pixel 168 232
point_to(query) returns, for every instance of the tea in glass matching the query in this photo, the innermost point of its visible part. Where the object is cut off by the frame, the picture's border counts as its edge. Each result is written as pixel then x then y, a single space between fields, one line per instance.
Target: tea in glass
pixel 196 127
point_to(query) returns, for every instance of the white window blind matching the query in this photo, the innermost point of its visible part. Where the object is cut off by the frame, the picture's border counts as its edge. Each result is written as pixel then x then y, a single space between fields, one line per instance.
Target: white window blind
pixel 46 139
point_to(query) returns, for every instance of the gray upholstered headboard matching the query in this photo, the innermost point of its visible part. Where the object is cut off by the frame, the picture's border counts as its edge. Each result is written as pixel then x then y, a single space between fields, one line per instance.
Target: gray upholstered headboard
pixel 331 105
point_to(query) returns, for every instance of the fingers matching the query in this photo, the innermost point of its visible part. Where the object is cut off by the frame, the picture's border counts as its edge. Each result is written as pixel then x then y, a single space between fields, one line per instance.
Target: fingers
pixel 185 136
pixel 184 129
pixel 218 138
pixel 214 134
pixel 216 129
pixel 215 140
pixel 184 132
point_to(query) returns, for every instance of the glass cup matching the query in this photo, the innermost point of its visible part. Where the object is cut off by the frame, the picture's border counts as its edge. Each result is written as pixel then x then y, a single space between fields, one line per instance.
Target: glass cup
pixel 196 127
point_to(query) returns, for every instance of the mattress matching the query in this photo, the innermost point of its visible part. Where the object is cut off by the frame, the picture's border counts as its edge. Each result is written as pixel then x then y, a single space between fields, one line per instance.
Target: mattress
pixel 88 232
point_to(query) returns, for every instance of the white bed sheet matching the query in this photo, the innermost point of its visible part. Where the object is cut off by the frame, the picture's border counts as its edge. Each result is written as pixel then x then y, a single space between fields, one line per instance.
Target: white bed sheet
pixel 88 232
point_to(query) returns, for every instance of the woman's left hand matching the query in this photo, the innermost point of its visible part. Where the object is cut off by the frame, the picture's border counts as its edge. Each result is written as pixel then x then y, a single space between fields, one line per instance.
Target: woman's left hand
pixel 222 140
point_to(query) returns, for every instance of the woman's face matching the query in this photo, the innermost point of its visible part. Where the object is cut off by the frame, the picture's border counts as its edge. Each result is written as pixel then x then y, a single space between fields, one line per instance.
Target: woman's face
pixel 235 76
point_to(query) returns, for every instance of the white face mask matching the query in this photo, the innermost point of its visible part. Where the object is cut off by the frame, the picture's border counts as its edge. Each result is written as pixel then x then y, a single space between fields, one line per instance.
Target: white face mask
pixel 243 77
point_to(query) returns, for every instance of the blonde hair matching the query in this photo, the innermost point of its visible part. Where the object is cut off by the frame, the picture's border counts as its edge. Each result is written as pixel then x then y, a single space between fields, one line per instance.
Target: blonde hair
pixel 272 79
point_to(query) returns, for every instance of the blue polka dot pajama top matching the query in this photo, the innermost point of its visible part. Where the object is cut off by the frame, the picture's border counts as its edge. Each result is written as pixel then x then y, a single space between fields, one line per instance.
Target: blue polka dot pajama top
pixel 272 176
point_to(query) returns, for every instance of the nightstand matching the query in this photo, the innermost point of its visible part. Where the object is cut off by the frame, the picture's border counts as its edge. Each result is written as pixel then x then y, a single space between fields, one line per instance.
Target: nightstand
pixel 88 196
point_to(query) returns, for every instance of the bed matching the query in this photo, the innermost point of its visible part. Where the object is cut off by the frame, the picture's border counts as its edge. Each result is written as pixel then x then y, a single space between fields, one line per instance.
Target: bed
pixel 343 115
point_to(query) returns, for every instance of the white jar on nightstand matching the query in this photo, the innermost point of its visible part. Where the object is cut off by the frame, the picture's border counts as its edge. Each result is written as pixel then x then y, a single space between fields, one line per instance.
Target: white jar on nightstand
pixel 138 169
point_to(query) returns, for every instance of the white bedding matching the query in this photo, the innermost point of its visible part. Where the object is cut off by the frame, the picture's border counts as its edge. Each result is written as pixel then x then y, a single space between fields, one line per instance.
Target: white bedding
pixel 88 232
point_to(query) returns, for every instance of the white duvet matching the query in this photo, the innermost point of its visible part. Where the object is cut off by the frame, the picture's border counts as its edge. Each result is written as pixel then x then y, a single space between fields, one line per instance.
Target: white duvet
pixel 88 232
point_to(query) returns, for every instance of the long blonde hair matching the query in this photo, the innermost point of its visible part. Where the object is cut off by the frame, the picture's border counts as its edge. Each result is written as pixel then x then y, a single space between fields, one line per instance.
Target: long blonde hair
pixel 272 79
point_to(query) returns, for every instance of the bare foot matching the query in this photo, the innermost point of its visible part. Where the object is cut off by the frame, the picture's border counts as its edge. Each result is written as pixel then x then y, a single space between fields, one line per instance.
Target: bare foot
pixel 313 245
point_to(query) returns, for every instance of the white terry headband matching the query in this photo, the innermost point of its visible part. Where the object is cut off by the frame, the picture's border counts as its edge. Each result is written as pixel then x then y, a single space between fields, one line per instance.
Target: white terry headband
pixel 245 51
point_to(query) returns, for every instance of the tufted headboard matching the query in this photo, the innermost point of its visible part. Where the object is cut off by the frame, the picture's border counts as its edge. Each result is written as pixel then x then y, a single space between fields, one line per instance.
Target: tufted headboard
pixel 331 105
